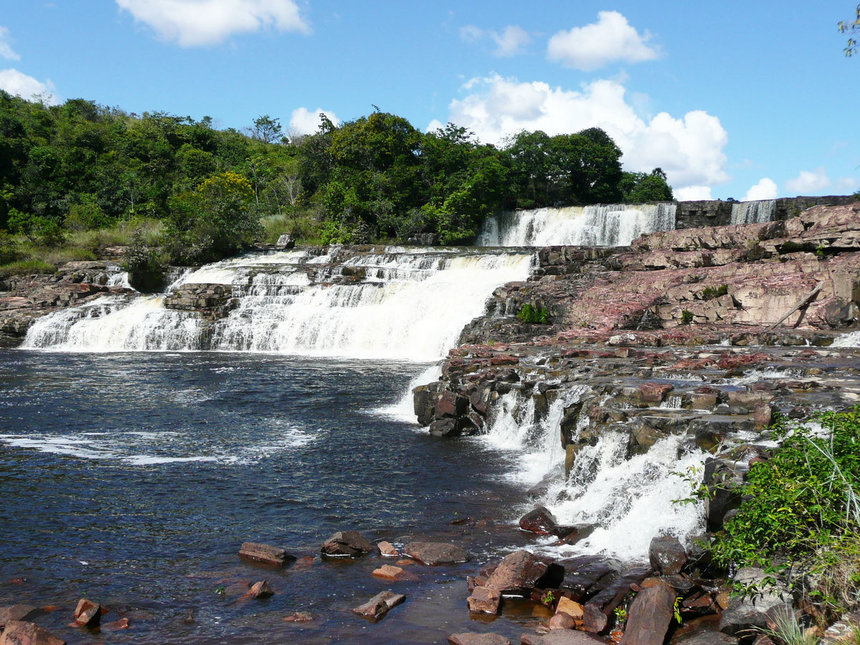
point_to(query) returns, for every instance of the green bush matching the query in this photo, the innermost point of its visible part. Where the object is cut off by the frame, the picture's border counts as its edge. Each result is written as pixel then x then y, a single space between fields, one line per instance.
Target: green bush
pixel 531 314
pixel 686 317
pixel 712 293
pixel 145 266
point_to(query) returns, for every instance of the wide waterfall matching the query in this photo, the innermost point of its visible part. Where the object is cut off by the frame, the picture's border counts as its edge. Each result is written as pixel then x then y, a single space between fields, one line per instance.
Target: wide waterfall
pixel 598 225
pixel 392 303
pixel 756 212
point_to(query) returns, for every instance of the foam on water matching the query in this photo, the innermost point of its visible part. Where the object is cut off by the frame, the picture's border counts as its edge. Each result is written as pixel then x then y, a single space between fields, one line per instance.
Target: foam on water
pixel 598 225
pixel 851 339
pixel 403 409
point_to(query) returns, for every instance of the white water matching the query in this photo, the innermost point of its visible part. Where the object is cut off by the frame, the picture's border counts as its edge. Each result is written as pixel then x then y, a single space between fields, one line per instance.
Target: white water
pixel 629 499
pixel 756 212
pixel 411 306
pixel 599 225
pixel 851 339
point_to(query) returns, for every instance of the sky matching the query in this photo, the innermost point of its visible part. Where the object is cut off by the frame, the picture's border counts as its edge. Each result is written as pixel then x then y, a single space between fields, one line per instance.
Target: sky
pixel 749 99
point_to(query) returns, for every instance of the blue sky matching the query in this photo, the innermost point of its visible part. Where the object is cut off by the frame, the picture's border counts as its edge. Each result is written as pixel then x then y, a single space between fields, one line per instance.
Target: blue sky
pixel 743 99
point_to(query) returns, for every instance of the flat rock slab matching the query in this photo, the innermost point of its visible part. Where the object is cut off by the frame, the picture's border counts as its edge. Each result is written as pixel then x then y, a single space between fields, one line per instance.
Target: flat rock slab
pixel 375 608
pixel 387 550
pixel 706 637
pixel 18 612
pixel 434 553
pixel 473 638
pixel 346 544
pixel 265 554
pixel 561 637
pixel 19 632
pixel 388 572
pixel 484 601
pixel 650 614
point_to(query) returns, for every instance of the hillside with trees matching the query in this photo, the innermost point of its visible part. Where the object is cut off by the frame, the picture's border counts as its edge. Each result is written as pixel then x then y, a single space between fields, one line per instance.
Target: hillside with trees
pixel 78 175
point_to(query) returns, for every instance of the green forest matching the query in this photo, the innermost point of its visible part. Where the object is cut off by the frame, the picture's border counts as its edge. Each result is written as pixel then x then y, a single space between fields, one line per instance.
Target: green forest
pixel 79 175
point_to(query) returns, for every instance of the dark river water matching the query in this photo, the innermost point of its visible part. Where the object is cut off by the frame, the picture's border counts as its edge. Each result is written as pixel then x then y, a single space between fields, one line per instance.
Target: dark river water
pixel 132 479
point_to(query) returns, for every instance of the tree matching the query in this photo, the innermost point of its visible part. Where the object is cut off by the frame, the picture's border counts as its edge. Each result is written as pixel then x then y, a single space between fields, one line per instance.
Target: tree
pixel 638 188
pixel 267 129
pixel 850 27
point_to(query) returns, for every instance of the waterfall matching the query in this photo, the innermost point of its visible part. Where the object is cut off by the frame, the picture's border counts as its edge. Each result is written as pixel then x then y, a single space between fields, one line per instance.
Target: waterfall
pixel 850 339
pixel 629 500
pixel 756 212
pixel 599 225
pixel 398 304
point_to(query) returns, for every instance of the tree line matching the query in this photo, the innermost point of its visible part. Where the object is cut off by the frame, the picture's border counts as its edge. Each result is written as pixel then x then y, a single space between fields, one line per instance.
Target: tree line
pixel 82 166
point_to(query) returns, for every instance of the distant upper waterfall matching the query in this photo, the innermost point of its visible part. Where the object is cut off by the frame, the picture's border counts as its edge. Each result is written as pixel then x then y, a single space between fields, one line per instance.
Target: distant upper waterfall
pixel 598 225
pixel 756 212
pixel 394 303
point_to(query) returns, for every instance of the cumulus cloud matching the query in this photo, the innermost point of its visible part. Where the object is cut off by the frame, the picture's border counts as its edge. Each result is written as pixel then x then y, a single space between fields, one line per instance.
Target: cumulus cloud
pixel 509 42
pixel 6 50
pixel 764 189
pixel 809 181
pixel 692 193
pixel 27 87
pixel 304 121
pixel 846 185
pixel 609 39
pixel 689 148
pixel 193 23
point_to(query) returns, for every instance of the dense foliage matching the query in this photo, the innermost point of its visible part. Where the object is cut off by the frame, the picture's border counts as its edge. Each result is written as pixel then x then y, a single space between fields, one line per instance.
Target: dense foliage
pixel 800 510
pixel 81 167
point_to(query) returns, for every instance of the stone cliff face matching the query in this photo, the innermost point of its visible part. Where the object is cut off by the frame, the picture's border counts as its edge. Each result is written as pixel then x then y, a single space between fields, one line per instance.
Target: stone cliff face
pixel 701 334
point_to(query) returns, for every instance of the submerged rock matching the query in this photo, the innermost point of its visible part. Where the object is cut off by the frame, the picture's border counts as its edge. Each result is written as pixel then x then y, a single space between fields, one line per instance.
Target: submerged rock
pixel 265 554
pixel 435 553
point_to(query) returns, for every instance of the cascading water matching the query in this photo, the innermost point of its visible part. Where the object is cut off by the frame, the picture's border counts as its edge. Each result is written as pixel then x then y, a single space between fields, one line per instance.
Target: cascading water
pixel 598 225
pixel 629 500
pixel 756 212
pixel 400 304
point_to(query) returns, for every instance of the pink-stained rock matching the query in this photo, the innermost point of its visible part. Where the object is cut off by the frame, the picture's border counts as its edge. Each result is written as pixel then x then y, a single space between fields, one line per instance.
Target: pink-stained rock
pixel 87 613
pixel 388 572
pixel 652 392
pixel 259 590
pixel 375 608
pixel 484 601
pixel 387 550
pixel 17 632
pixel 265 554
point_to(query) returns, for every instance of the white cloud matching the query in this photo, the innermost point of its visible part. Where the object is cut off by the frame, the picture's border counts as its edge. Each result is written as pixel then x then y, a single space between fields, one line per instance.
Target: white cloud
pixel 609 39
pixel 689 149
pixel 764 189
pixel 304 121
pixel 846 185
pixel 193 23
pixel 27 87
pixel 509 42
pixel 809 181
pixel 692 193
pixel 6 50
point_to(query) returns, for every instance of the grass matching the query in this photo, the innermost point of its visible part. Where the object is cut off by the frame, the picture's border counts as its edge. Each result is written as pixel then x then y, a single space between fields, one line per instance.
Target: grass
pixel 28 266
pixel 787 630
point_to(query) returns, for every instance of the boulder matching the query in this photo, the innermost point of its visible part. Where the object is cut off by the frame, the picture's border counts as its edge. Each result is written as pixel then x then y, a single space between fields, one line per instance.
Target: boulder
pixel 346 544
pixel 667 555
pixel 434 553
pixel 375 608
pixel 594 620
pixel 484 601
pixel 473 638
pixel 561 637
pixel 562 620
pixel 706 637
pixel 539 520
pixel 652 392
pixel 18 612
pixel 762 416
pixel 753 611
pixel 18 632
pixel 87 613
pixel 571 608
pixel 285 241
pixel 650 614
pixel 520 571
pixel 265 554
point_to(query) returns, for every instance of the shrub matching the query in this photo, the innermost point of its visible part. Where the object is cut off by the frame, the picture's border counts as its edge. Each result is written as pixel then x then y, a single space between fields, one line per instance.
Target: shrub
pixel 686 317
pixel 145 266
pixel 531 314
pixel 712 293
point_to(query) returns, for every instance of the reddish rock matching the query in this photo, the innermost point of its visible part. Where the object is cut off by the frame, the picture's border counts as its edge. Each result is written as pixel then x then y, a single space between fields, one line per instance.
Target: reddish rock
pixel 594 620
pixel 650 614
pixel 652 392
pixel 560 637
pixel 346 544
pixel 571 608
pixel 18 612
pixel 471 638
pixel 387 550
pixel 521 571
pixel 17 632
pixel 87 613
pixel 562 620
pixel 435 553
pixel 298 617
pixel 116 625
pixel 388 572
pixel 504 359
pixel 260 589
pixel 375 608
pixel 484 601
pixel 762 416
pixel 540 521
pixel 265 554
